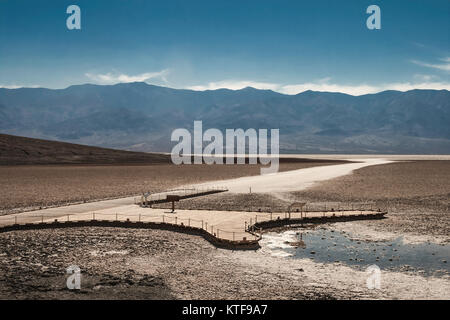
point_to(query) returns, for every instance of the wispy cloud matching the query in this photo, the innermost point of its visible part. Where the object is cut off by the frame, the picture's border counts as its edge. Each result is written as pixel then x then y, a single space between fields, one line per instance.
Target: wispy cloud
pixel 443 66
pixel 235 85
pixel 112 78
pixel 326 85
pixel 12 86
pixel 358 90
pixel 425 77
pixel 17 86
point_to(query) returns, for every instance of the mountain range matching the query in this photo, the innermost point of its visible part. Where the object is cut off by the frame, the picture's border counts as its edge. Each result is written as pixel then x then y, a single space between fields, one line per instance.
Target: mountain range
pixel 140 117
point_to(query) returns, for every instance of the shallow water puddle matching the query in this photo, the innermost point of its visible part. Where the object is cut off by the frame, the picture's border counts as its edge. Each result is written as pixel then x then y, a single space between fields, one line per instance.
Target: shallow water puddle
pixel 323 245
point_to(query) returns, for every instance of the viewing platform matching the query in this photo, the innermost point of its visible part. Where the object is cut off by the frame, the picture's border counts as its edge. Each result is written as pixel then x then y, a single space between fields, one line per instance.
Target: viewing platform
pixel 225 229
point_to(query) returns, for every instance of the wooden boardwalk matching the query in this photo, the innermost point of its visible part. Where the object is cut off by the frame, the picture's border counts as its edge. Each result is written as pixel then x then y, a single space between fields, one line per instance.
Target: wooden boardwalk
pixel 225 227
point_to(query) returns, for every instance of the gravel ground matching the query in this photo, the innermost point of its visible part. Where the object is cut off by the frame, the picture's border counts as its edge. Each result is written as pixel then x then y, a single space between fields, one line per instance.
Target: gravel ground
pixel 153 264
pixel 134 264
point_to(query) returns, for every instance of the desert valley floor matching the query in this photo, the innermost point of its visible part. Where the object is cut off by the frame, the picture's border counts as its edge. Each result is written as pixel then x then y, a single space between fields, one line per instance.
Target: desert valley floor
pixel 155 264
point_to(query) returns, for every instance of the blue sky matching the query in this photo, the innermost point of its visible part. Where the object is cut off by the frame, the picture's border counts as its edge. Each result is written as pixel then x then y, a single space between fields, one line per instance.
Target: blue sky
pixel 286 46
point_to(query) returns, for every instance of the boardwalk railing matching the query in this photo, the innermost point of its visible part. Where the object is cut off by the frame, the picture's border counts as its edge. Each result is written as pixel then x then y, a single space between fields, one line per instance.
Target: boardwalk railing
pixel 220 237
pixel 265 220
pixel 246 238
pixel 184 193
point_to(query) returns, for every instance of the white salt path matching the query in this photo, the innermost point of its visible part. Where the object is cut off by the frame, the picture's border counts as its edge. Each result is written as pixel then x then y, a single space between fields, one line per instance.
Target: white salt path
pixel 294 180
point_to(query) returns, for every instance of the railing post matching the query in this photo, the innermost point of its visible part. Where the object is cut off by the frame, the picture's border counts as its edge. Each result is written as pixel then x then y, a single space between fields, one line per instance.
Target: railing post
pixel 42 218
pixel 202 224
pixel 67 217
pixel 93 215
pixel 233 236
pixel 163 218
pixel 15 219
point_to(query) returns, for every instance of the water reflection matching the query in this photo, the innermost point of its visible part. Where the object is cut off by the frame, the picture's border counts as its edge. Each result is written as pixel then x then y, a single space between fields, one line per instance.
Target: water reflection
pixel 324 245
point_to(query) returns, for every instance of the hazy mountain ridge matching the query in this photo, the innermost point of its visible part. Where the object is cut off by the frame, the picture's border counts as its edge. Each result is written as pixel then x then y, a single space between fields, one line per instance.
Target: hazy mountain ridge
pixel 138 116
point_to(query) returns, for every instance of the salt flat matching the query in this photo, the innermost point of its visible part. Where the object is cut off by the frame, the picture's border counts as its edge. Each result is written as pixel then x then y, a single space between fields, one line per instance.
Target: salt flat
pixel 276 183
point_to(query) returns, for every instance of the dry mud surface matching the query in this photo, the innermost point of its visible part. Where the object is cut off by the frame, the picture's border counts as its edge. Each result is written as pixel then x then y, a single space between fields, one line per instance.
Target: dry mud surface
pixel 152 264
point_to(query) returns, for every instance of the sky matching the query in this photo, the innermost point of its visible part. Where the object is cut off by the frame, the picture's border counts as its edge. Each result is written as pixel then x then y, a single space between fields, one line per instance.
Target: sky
pixel 285 46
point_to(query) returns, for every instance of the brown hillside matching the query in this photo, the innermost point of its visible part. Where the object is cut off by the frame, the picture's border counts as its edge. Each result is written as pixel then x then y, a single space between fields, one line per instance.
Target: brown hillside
pixel 16 150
